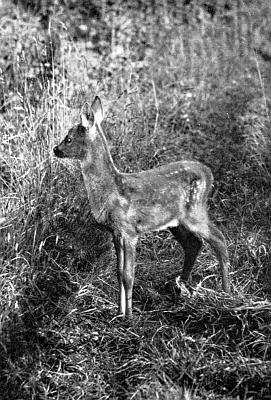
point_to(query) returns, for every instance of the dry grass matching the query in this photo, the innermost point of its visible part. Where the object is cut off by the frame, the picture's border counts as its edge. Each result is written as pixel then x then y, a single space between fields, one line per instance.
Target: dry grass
pixel 171 90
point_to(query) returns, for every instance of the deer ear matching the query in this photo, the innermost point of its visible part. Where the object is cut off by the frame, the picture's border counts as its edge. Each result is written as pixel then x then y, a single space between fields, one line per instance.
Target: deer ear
pixel 86 116
pixel 97 109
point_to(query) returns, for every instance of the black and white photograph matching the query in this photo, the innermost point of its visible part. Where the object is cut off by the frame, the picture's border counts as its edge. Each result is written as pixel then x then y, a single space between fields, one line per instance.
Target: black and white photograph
pixel 135 200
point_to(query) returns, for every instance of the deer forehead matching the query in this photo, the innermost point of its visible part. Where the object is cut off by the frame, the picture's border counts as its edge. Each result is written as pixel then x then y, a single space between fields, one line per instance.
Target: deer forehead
pixel 90 132
pixel 77 131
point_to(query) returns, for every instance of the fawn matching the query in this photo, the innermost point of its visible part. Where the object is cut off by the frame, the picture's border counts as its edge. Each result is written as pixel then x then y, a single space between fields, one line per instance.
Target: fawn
pixel 172 196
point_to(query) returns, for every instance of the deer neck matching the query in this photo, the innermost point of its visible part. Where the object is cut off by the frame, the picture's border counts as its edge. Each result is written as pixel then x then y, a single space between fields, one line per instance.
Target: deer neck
pixel 99 173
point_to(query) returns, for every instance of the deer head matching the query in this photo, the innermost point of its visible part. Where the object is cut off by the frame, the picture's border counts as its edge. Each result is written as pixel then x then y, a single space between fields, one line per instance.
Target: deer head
pixel 79 138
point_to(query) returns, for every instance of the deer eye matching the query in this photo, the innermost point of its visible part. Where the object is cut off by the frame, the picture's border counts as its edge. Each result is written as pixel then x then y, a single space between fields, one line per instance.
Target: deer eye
pixel 68 140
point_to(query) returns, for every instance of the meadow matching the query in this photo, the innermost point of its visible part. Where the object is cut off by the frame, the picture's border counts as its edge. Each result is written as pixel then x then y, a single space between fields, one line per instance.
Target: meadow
pixel 178 80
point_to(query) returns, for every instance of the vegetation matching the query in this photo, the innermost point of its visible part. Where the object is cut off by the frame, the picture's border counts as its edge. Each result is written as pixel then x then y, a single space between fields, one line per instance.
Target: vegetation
pixel 179 80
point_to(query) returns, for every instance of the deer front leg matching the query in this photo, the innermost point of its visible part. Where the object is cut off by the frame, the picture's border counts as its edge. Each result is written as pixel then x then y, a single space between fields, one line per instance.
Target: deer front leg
pixel 129 272
pixel 119 246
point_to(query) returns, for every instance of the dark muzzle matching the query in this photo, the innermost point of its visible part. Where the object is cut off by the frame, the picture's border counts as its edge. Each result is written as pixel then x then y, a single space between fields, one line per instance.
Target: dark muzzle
pixel 58 152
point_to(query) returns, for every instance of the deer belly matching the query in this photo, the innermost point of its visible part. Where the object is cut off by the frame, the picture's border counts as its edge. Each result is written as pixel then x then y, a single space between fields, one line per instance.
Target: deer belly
pixel 155 221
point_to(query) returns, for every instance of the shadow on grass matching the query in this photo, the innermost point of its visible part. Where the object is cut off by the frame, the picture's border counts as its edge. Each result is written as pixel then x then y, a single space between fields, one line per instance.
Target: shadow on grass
pixel 23 344
pixel 33 335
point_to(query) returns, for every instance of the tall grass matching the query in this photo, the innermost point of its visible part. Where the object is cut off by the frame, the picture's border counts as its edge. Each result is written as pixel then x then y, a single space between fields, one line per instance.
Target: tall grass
pixel 172 88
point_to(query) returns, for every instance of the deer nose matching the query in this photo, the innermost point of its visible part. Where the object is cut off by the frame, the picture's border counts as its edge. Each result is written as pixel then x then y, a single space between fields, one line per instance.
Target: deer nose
pixel 57 152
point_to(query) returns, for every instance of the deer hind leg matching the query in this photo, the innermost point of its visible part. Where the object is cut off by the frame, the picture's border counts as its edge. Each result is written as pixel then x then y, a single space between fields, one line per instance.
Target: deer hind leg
pixel 217 241
pixel 198 223
pixel 191 245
